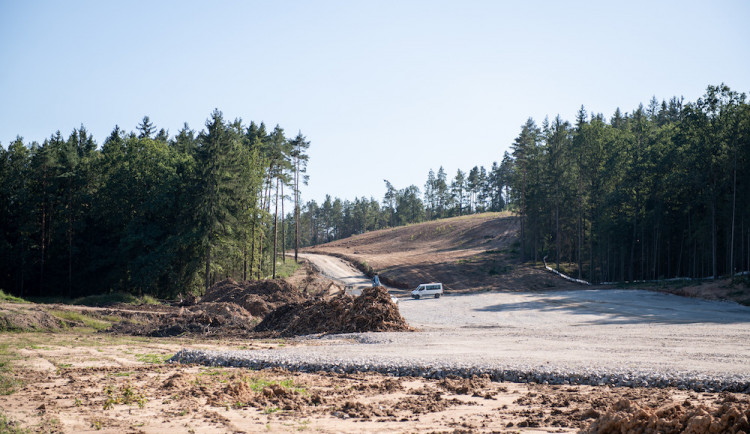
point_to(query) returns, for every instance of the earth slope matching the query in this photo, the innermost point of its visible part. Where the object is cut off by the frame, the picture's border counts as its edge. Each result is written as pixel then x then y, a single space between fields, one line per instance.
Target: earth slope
pixel 465 253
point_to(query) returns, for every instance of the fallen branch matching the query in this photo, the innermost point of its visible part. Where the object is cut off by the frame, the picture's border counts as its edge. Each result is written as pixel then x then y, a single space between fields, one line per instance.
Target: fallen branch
pixel 564 276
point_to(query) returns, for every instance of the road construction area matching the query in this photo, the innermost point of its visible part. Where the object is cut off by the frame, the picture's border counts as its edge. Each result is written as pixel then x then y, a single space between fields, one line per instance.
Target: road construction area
pixel 617 334
pixel 489 361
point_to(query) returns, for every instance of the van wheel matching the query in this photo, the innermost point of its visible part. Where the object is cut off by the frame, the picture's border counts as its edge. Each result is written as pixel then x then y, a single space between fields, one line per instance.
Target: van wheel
pixel 437 295
pixel 416 297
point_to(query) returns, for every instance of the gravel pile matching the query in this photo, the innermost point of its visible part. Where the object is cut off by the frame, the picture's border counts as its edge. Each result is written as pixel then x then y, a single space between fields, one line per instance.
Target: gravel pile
pixel 437 369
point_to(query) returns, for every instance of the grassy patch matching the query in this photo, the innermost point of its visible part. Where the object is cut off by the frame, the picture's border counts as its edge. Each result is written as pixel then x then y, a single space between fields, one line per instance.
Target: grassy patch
pixel 10 427
pixel 499 269
pixel 8 382
pixel 153 358
pixel 258 384
pixel 80 318
pixel 10 298
pixel 285 269
pixel 114 298
pixel 126 394
pixel 98 300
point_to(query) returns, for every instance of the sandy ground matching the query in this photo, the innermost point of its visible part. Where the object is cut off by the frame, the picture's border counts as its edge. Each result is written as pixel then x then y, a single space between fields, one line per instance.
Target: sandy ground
pixel 82 382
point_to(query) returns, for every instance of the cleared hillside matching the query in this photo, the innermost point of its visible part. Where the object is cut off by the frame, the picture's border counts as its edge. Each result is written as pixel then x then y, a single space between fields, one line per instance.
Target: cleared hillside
pixel 474 252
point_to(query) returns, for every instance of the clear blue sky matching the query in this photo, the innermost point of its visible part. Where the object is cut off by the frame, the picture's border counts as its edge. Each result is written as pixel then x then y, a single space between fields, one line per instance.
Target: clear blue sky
pixel 382 89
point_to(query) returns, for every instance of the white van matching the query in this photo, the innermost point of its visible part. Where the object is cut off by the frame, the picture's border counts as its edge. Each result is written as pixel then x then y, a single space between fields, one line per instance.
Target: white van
pixel 426 289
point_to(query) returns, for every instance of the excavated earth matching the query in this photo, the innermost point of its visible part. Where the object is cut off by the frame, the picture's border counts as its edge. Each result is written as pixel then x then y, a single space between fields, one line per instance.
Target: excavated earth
pixel 271 308
pixel 55 378
pixel 372 311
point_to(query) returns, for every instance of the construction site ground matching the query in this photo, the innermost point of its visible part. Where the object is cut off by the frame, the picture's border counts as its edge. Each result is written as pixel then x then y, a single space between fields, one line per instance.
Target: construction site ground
pixel 77 375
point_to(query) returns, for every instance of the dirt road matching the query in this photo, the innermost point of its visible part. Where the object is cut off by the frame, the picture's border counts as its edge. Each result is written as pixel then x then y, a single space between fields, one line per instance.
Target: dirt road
pixel 340 270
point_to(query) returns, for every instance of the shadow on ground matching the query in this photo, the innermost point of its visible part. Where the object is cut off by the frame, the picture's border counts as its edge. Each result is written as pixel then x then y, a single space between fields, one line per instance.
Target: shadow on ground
pixel 630 307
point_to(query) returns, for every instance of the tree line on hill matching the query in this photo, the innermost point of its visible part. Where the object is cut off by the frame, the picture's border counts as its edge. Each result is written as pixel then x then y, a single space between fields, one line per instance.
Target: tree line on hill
pixel 660 192
pixel 146 213
pixel 481 190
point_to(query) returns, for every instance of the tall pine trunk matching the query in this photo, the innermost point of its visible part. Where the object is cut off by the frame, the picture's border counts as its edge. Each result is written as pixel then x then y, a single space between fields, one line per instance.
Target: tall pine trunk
pixel 523 217
pixel 275 229
pixel 283 227
pixel 734 207
pixel 70 238
pixel 296 211
pixel 714 270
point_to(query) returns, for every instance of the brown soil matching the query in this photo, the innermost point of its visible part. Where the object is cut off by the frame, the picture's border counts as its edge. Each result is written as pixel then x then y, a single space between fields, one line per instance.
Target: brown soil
pixel 372 311
pixel 27 317
pixel 228 309
pixel 204 319
pixel 466 253
pixel 95 383
pixel 728 414
pixel 257 297
pixel 737 290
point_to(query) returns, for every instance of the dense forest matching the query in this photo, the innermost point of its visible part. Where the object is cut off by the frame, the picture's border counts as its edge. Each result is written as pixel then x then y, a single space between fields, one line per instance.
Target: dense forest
pixel 146 213
pixel 660 192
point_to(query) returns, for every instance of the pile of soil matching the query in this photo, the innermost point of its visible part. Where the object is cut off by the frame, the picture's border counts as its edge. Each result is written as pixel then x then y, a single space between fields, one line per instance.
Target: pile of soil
pixel 205 319
pixel 729 416
pixel 372 311
pixel 228 309
pixel 20 317
pixel 257 297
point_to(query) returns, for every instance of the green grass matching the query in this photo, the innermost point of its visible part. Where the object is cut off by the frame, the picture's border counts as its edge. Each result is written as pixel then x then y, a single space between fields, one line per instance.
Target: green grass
pixel 11 298
pixel 258 384
pixel 8 382
pixel 126 394
pixel 98 299
pixel 285 269
pixel 153 358
pixel 114 298
pixel 499 269
pixel 7 426
pixel 81 318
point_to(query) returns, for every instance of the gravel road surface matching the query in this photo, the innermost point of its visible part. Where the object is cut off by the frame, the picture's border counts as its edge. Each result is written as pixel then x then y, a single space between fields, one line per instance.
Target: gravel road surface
pixel 620 337
pixel 340 270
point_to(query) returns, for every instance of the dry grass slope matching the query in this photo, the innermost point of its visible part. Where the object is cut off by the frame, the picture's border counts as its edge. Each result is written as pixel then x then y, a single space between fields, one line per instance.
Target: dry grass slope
pixel 475 252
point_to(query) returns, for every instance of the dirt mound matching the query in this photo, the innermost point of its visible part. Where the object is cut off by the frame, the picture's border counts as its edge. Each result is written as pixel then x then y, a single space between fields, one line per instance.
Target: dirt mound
pixel 372 311
pixel 474 386
pixel 259 393
pixel 17 317
pixel 730 416
pixel 257 297
pixel 204 319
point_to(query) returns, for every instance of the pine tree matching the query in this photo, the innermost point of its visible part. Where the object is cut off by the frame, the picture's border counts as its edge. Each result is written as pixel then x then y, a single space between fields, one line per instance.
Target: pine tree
pixel 146 128
pixel 299 147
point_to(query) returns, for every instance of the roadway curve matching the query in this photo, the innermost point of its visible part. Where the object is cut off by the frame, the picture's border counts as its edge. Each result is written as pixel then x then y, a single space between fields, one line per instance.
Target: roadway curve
pixel 340 270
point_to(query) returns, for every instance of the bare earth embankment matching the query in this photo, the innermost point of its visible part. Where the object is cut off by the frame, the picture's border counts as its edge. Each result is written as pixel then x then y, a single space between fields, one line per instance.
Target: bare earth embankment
pixel 468 253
